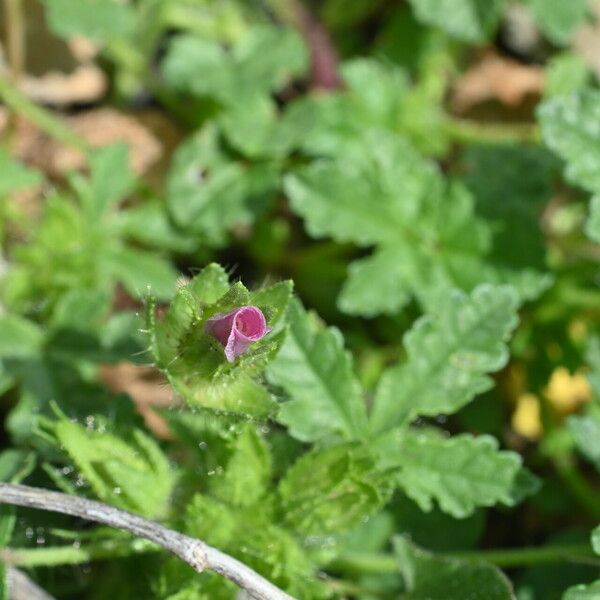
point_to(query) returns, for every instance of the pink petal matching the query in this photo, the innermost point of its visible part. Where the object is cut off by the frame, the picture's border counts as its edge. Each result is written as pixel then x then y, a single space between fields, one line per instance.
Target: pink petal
pixel 237 329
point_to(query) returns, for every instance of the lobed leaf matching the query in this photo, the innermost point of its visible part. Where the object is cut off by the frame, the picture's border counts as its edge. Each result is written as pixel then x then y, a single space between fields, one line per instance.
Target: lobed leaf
pixel 328 491
pixel 461 473
pixel 450 351
pixel 468 20
pixel 439 578
pixel 570 126
pixel 315 371
pixel 131 472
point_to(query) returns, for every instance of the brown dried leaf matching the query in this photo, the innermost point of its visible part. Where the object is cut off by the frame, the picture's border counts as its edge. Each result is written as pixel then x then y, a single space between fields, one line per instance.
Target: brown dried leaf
pixel 494 77
pixel 146 387
pixel 99 127
pixel 85 84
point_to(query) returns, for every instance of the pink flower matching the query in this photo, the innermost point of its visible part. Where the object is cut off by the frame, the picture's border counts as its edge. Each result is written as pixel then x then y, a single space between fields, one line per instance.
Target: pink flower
pixel 237 329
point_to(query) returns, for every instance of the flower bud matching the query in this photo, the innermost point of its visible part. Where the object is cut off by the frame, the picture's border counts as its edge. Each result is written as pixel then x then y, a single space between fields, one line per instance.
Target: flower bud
pixel 237 329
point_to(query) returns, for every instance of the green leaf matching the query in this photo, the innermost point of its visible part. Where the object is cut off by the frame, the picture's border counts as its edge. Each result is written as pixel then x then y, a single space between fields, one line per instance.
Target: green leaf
pixel 96 19
pixel 315 371
pixel 592 226
pixel 142 273
pixel 558 19
pixel 210 195
pixel 438 578
pixel 511 186
pixel 374 285
pixel 111 178
pixel 596 540
pixel 255 129
pixel 424 230
pixel 149 224
pixel 586 432
pixel 14 175
pixel 130 472
pixel 469 20
pixel 461 473
pixel 583 592
pixel 210 520
pixel 247 474
pixel 569 125
pixel 377 96
pixel 566 73
pixel 15 465
pixel 263 62
pixel 19 337
pixel 328 491
pixel 249 535
pixel 450 351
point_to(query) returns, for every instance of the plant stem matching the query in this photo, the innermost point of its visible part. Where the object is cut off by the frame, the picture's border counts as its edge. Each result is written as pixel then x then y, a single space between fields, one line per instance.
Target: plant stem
pixel 354 589
pixel 473 132
pixel 505 558
pixel 15 37
pixel 50 556
pixel 20 587
pixel 44 119
pixel 580 489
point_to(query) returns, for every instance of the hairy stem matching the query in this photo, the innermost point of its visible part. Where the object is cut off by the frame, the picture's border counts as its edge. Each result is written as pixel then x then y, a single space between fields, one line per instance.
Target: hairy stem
pixel 50 556
pixel 196 553
pixel 505 558
pixel 19 104
pixel 475 132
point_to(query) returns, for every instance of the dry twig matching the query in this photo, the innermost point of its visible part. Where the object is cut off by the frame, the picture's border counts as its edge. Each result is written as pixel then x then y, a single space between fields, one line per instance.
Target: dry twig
pixel 196 553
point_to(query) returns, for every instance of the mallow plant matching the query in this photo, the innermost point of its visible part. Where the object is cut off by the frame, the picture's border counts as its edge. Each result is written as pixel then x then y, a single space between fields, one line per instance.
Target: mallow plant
pixel 341 341
pixel 279 458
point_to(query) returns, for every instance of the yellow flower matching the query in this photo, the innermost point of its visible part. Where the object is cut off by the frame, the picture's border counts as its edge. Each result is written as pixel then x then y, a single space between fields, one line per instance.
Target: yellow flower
pixel 526 418
pixel 566 392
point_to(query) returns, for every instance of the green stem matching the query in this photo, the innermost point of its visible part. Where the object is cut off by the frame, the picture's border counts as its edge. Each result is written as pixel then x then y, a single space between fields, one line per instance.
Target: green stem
pixel 73 555
pixel 44 119
pixel 473 132
pixel 512 557
pixel 353 589
pixel 580 489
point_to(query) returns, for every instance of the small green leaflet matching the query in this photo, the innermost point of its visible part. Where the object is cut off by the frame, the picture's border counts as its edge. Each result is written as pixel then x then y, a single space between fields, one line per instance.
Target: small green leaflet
pixel 14 175
pixel 592 226
pixel 246 477
pixel 460 473
pixel 558 19
pixel 98 20
pixel 591 591
pixel 424 230
pixel 263 62
pixel 19 337
pixel 250 535
pixel 469 20
pixel 431 577
pixel 315 370
pixel 570 126
pixel 130 472
pixel 209 194
pixel 585 430
pixel 450 351
pixel 111 180
pixel 328 491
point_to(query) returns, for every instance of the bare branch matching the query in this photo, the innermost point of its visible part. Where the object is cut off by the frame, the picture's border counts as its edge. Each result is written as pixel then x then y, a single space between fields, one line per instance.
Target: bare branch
pixel 197 554
pixel 20 587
